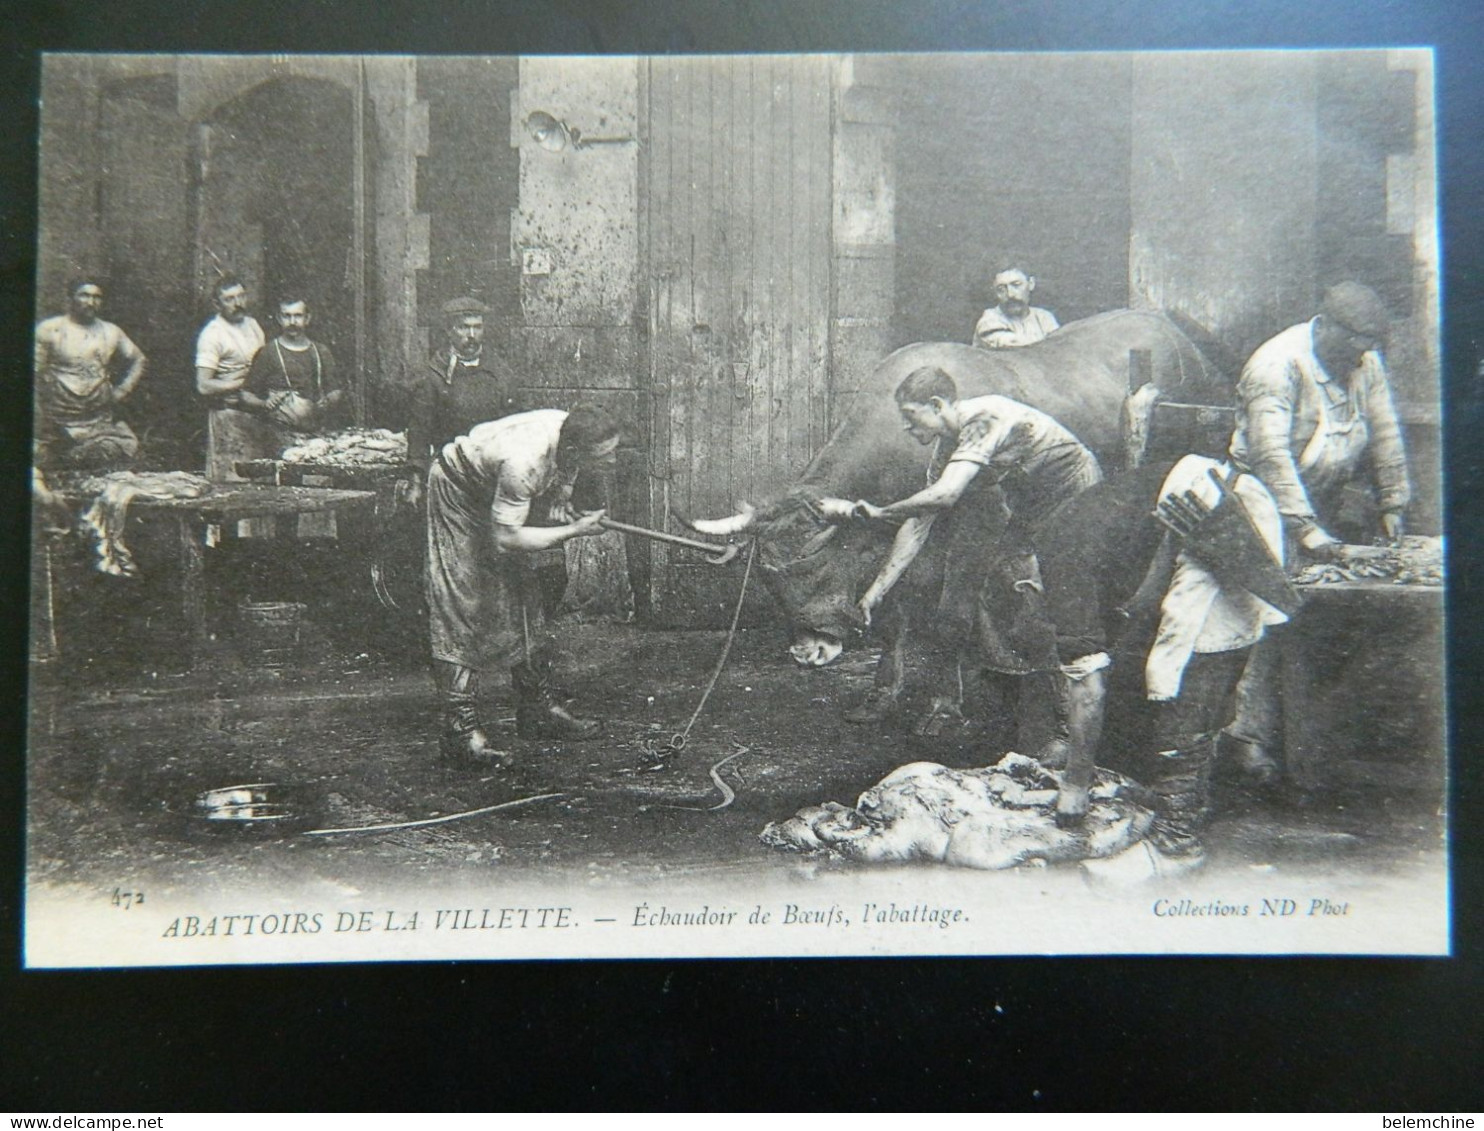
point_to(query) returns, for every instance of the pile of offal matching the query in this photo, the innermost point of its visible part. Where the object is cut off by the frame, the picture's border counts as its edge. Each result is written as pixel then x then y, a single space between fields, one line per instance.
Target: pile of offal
pixel 1413 560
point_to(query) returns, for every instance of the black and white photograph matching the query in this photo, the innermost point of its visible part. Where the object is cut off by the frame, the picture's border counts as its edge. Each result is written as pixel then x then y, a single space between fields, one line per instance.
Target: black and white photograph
pixel 666 506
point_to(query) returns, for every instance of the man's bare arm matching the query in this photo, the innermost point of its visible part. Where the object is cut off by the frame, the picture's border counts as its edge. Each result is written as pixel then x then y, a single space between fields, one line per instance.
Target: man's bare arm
pixel 904 550
pixel 132 376
pixel 210 384
pixel 527 539
pixel 946 490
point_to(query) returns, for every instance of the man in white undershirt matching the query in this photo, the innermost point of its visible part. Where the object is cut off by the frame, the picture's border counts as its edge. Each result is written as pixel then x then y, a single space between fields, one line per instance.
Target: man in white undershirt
pixel 1014 322
pixel 225 350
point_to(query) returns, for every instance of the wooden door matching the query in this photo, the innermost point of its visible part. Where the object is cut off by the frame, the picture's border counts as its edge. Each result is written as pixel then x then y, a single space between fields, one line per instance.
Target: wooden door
pixel 736 213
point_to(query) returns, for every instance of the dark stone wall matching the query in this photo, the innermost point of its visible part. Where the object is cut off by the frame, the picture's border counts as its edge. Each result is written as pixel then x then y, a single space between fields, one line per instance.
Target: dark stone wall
pixel 1010 160
pixel 468 183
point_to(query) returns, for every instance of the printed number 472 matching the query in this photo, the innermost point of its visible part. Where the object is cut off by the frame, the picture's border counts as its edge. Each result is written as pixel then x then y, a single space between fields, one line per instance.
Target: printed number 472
pixel 126 899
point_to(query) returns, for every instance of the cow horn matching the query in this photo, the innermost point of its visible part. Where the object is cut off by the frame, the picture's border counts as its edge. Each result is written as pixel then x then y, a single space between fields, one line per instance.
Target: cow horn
pixel 733 524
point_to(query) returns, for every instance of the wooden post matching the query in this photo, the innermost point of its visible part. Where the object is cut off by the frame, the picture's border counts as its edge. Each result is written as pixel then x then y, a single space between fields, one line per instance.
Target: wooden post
pixel 193 584
pixel 358 243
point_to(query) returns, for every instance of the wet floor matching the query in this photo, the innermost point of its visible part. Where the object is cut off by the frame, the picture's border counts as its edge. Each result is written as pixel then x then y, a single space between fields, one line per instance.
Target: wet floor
pixel 117 763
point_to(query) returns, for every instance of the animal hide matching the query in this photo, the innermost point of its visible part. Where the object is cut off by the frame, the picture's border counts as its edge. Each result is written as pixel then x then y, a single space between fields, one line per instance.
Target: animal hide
pixel 990 818
pixel 106 519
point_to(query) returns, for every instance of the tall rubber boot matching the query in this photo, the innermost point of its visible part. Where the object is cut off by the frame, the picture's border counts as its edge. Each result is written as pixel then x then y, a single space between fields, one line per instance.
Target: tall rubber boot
pixel 1054 751
pixel 1084 701
pixel 538 712
pixel 463 741
pixel 1179 796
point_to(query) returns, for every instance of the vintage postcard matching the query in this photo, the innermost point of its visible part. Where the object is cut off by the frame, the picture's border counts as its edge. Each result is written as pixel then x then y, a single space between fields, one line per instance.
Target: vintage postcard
pixel 557 507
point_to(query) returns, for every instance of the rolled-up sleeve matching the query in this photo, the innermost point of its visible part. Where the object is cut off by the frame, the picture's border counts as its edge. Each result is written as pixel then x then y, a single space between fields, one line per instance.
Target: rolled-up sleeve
pixel 517 486
pixel 208 350
pixel 1266 391
pixel 981 441
pixel 1387 453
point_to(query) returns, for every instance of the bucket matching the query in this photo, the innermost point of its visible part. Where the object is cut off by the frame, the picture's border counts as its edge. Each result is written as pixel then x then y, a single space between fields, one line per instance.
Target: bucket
pixel 271 631
pixel 263 807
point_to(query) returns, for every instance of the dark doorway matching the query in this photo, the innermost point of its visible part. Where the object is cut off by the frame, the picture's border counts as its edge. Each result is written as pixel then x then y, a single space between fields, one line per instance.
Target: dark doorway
pixel 1010 160
pixel 144 210
pixel 276 204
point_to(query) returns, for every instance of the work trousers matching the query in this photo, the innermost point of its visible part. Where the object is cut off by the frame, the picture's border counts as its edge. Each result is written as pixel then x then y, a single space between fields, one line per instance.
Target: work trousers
pixel 481 602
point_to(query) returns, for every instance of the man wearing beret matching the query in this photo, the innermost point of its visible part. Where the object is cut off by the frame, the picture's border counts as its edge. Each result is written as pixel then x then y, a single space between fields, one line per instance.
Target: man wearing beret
pixel 1314 411
pixel 461 385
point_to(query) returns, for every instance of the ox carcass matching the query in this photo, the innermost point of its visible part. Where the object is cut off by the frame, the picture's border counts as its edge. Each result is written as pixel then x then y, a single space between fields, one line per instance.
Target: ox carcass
pixel 817 566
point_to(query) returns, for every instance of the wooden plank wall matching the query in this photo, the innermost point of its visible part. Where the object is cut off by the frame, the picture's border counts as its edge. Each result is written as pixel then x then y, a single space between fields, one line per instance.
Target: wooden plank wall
pixel 737 219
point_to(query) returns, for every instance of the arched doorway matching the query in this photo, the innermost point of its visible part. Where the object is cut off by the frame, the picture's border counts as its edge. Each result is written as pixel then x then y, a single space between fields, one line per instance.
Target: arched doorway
pixel 280 202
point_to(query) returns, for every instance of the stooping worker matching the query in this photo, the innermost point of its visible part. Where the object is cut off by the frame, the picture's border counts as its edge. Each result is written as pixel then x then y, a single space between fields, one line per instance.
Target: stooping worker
pixel 1014 321
pixel 225 349
pixel 989 606
pixel 1158 583
pixel 483 601
pixel 463 383
pixel 85 367
pixel 1315 413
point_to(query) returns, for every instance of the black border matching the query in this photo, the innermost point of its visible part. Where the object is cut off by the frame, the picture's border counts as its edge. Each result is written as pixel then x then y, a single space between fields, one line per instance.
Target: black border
pixel 816 1035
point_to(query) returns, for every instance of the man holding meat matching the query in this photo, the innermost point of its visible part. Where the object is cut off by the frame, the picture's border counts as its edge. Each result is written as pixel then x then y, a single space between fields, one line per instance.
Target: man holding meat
pixel 294 382
pixel 484 493
pixel 1315 412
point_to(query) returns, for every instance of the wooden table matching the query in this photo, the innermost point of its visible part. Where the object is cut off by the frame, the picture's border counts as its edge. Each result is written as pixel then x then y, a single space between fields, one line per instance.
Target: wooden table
pixel 1363 679
pixel 227 503
pixel 288 473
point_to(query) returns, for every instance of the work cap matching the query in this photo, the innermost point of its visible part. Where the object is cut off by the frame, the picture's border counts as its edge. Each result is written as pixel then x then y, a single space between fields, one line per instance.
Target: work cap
pixel 1356 307
pixel 459 307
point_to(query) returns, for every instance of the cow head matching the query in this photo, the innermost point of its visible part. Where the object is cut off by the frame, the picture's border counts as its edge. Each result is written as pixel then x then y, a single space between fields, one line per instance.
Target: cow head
pixel 814 564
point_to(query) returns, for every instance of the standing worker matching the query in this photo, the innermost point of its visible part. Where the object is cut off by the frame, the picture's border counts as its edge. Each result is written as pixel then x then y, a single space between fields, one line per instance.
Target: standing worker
pixel 1314 411
pixel 225 349
pixel 1158 582
pixel 462 384
pixel 294 381
pixel 483 600
pixel 1014 322
pixel 77 354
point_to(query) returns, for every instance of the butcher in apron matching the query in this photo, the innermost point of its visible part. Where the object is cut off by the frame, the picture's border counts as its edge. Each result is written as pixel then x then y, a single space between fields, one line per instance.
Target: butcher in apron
pixel 1314 415
pixel 225 349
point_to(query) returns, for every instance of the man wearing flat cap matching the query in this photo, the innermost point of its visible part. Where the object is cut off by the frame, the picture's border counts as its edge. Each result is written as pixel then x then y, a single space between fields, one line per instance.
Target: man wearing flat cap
pixel 1314 411
pixel 461 385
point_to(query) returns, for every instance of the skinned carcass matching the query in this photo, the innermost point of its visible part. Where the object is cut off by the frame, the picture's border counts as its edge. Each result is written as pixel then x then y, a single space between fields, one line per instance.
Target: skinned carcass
pixel 817 565
pixel 999 816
